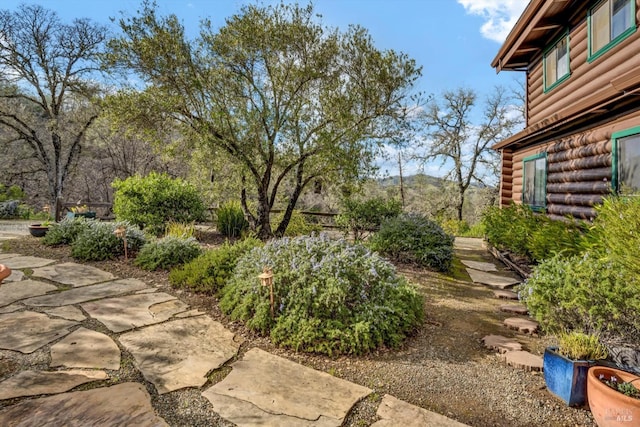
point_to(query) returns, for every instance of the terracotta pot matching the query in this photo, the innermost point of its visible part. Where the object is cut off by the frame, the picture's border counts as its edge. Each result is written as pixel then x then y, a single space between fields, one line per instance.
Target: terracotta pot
pixel 4 272
pixel 566 378
pixel 37 230
pixel 608 406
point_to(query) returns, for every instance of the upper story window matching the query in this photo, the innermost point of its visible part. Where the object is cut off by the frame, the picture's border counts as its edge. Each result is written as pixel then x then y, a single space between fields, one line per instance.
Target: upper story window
pixel 556 63
pixel 534 188
pixel 610 22
pixel 626 160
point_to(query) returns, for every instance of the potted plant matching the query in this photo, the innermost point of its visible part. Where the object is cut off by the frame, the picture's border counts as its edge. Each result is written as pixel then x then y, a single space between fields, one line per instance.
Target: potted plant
pixel 565 367
pixel 39 229
pixel 614 397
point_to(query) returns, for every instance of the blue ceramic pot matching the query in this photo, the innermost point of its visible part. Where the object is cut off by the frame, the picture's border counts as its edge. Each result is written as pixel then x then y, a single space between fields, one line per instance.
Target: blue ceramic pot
pixel 566 378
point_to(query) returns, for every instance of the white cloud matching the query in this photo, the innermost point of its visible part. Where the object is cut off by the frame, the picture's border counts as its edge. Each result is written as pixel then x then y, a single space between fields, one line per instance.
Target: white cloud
pixel 500 15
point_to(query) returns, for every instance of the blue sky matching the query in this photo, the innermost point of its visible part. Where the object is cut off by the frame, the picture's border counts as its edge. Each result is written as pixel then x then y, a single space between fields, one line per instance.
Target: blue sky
pixel 453 40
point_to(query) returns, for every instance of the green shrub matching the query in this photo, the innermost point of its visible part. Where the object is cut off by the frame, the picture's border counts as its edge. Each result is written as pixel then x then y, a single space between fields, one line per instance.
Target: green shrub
pixel 455 227
pixel 210 271
pixel 230 219
pixel 98 242
pixel 298 225
pixel 412 238
pixel 167 252
pixel 10 209
pixel 616 232
pixel 66 231
pixel 519 230
pixel 583 292
pixel 476 230
pixel 12 192
pixel 510 228
pixel 364 217
pixel 551 237
pixel 153 200
pixel 330 296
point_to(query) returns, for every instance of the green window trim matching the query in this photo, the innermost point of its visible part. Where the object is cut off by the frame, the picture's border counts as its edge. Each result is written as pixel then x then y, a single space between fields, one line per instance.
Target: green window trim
pixel 614 154
pixel 548 86
pixel 592 56
pixel 535 207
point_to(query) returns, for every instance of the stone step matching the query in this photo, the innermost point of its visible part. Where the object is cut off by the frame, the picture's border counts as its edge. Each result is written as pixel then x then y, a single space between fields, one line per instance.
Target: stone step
pixel 525 326
pixel 514 308
pixel 493 280
pixel 479 265
pixel 505 294
pixel 395 412
pixel 523 360
pixel 501 344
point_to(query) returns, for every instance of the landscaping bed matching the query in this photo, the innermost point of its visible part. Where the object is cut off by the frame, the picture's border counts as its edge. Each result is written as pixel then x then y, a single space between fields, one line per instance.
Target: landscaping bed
pixel 442 367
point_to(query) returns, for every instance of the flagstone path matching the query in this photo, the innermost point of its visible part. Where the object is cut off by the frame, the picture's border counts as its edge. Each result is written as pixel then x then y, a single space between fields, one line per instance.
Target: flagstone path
pixel 486 273
pixel 173 346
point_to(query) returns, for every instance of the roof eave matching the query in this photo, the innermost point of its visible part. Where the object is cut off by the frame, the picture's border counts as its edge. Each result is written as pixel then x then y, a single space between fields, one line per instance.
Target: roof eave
pixel 522 23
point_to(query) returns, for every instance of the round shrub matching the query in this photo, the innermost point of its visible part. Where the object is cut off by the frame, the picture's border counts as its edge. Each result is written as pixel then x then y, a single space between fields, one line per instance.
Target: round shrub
pixel 330 296
pixel 66 231
pixel 98 242
pixel 168 252
pixel 412 238
pixel 230 219
pixel 362 217
pixel 151 201
pixel 10 209
pixel 583 292
pixel 210 271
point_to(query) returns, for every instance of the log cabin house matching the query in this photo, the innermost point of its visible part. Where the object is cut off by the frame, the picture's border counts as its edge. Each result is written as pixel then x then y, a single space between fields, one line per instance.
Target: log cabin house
pixel 582 135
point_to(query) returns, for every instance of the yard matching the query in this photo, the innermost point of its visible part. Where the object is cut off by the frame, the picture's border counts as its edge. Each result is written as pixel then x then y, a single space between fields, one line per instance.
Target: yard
pixel 443 367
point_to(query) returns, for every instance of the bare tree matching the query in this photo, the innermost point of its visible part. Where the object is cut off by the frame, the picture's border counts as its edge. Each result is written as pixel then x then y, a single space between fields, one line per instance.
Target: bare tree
pixel 47 72
pixel 464 147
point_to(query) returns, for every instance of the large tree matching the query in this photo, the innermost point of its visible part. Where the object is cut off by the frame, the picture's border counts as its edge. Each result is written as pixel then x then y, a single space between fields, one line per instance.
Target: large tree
pixel 287 98
pixel 47 71
pixel 463 145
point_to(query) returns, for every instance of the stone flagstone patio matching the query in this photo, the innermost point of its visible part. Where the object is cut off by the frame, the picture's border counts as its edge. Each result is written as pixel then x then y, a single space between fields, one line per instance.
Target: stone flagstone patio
pixel 173 346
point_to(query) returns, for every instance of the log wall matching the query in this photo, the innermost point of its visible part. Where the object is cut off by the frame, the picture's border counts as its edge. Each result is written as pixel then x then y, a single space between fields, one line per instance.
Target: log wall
pixel 578 170
pixel 586 78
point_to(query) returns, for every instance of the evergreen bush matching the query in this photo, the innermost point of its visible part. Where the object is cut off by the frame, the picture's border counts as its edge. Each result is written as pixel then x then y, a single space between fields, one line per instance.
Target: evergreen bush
pixel 66 231
pixel 414 239
pixel 153 200
pixel 10 209
pixel 362 217
pixel 583 292
pixel 210 271
pixel 98 242
pixel 230 219
pixel 167 252
pixel 330 296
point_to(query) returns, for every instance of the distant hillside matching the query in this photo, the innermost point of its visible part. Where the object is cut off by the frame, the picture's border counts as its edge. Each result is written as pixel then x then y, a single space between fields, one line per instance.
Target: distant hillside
pixel 420 179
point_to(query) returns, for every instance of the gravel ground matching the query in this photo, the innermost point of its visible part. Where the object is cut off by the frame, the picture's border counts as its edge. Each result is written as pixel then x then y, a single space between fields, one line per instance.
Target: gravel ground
pixel 443 367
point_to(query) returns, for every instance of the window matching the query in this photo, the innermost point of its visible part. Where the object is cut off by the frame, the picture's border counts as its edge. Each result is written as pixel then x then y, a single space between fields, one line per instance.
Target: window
pixel 626 160
pixel 610 22
pixel 534 188
pixel 556 63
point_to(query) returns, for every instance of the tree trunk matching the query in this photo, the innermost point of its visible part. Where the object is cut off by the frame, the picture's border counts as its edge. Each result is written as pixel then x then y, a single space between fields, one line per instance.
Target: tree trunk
pixel 459 205
pixel 263 224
